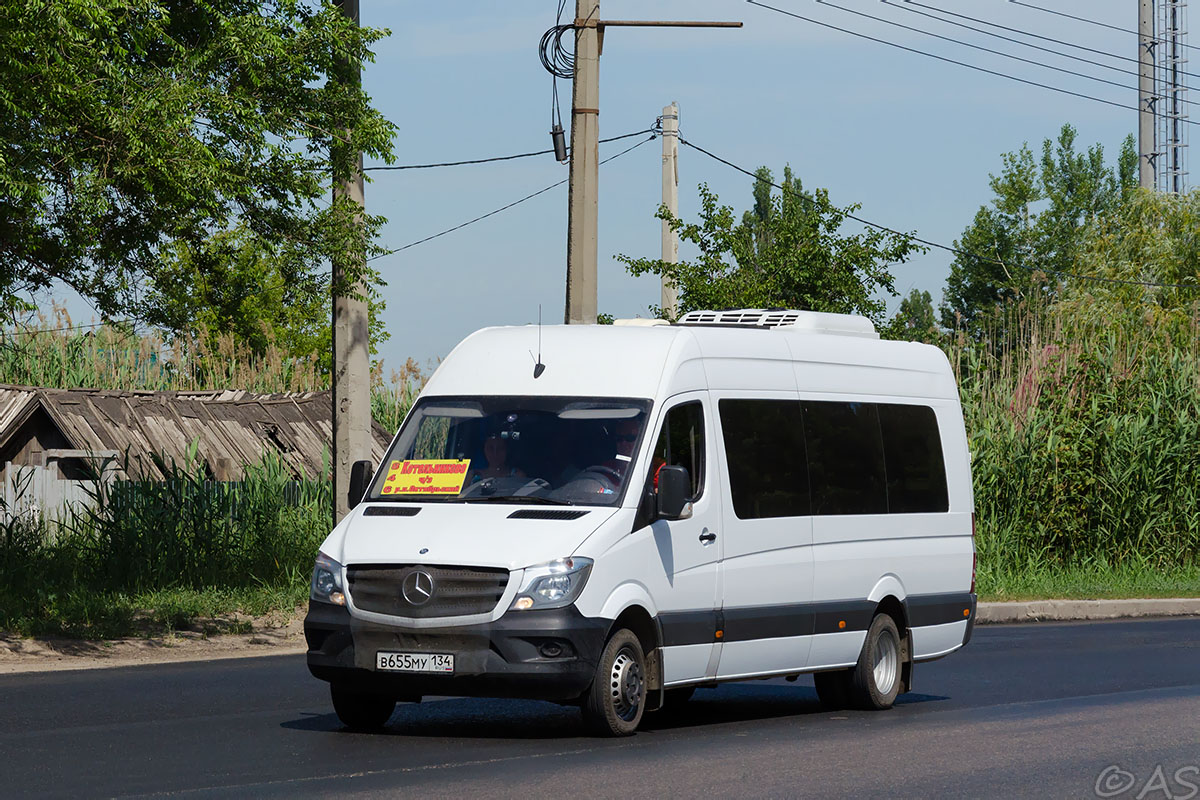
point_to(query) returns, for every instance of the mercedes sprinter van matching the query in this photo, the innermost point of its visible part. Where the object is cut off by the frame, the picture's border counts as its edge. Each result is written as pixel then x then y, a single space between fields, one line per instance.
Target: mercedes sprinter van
pixel 614 516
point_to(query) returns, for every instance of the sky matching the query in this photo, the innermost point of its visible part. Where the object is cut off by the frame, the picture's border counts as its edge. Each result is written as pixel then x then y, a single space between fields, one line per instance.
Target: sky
pixel 910 138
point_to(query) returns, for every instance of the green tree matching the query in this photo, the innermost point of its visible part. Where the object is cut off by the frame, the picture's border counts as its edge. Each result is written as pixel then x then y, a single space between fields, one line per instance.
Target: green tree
pixel 232 284
pixel 130 125
pixel 1154 238
pixel 786 252
pixel 1034 224
pixel 915 321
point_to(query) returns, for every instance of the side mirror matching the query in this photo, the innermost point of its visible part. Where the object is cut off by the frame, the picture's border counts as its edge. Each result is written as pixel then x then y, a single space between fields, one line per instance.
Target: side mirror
pixel 360 476
pixel 674 486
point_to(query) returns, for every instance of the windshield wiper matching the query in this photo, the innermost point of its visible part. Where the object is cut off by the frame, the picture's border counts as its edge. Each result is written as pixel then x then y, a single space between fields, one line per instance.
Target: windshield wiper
pixel 514 498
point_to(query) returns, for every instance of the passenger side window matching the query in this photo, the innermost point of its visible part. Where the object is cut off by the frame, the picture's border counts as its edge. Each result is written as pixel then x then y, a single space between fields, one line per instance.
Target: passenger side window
pixel 681 444
pixel 845 457
pixel 768 471
pixel 916 471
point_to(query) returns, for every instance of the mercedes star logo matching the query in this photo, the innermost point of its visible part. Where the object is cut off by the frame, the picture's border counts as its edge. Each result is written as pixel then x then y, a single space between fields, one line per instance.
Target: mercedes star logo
pixel 417 587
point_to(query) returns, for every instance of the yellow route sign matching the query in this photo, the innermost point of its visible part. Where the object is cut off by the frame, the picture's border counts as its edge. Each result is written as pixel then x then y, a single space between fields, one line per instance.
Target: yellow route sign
pixel 426 476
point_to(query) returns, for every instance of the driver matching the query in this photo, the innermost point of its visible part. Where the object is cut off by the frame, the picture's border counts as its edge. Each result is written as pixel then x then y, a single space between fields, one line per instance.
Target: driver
pixel 495 452
pixel 625 440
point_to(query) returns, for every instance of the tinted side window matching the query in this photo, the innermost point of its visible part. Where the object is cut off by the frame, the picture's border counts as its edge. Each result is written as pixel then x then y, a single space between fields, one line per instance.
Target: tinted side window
pixel 768 472
pixel 845 458
pixel 916 473
pixel 681 444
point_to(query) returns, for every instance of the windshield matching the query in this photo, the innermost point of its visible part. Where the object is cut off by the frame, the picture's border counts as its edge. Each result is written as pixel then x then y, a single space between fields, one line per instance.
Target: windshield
pixel 549 450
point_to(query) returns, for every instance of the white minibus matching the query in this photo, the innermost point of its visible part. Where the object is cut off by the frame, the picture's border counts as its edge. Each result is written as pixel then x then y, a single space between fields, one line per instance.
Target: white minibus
pixel 616 515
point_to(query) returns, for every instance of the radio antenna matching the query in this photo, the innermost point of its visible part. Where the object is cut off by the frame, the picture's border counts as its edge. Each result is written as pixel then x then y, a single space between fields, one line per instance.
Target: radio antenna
pixel 538 366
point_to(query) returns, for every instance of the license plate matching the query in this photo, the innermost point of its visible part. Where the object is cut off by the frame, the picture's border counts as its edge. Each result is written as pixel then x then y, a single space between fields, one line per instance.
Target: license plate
pixel 414 662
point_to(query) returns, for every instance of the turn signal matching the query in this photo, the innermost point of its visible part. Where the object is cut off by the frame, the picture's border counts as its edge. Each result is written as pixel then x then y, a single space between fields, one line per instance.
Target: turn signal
pixel 966 612
pixel 720 634
pixel 841 624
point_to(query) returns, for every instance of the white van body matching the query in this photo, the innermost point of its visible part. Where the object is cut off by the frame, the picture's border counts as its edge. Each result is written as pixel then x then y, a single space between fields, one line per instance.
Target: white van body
pixel 711 596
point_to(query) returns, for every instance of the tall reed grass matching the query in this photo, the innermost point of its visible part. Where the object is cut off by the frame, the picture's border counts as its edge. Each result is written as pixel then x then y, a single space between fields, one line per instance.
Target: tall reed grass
pixel 183 533
pixel 56 354
pixel 1085 440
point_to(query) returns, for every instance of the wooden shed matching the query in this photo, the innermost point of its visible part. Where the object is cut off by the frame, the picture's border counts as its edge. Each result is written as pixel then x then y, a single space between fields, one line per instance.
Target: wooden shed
pixel 63 433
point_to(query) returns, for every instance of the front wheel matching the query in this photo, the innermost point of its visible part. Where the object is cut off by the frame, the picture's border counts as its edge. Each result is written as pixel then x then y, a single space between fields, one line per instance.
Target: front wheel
pixel 360 711
pixel 614 703
pixel 875 680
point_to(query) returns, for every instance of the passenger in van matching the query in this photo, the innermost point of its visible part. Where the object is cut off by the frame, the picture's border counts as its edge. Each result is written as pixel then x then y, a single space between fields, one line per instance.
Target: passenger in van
pixel 495 452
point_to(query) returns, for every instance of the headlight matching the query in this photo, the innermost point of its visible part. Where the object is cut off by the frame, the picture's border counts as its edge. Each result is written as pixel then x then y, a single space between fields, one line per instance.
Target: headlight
pixel 326 583
pixel 553 585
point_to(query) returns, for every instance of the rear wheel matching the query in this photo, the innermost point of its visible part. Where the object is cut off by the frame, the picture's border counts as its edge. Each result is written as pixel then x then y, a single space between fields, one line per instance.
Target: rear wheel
pixel 875 680
pixel 614 703
pixel 360 711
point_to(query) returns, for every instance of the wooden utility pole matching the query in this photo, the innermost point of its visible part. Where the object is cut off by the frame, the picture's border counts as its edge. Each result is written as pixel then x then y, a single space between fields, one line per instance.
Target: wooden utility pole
pixel 583 200
pixel 351 362
pixel 670 199
pixel 1147 146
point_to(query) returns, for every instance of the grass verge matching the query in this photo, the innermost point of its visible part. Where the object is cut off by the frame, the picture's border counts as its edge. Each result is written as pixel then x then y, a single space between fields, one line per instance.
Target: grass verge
pixel 86 614
pixel 1090 582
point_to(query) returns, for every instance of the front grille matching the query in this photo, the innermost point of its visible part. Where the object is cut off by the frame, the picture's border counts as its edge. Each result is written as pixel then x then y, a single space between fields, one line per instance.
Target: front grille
pixel 456 591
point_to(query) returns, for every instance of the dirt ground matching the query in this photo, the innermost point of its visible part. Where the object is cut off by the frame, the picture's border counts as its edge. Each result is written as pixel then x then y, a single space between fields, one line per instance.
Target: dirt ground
pixel 274 635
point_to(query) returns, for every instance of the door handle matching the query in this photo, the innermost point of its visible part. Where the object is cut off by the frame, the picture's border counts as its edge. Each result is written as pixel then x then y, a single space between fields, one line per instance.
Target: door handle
pixel 708 537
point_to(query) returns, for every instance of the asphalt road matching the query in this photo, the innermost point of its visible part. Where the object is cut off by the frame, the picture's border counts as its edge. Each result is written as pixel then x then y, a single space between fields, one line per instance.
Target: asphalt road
pixel 1050 710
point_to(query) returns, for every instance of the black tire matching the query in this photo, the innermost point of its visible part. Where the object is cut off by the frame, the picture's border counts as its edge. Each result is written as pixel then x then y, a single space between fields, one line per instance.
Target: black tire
pixel 876 680
pixel 360 711
pixel 833 688
pixel 614 703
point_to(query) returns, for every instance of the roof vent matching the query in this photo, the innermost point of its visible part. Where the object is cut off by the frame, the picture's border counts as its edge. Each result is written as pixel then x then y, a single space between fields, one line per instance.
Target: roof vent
pixel 810 321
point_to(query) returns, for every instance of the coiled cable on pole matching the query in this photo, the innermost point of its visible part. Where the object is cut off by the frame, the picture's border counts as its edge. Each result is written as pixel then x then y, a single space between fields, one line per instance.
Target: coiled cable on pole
pixel 556 58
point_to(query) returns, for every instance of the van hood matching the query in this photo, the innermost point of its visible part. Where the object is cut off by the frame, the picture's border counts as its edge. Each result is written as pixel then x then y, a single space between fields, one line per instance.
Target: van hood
pixel 467 534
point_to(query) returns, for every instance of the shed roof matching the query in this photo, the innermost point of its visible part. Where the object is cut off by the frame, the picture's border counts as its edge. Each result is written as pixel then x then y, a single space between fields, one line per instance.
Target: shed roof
pixel 234 427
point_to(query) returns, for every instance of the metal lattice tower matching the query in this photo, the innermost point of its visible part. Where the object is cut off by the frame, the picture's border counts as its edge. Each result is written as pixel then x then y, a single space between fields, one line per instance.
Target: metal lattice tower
pixel 1171 89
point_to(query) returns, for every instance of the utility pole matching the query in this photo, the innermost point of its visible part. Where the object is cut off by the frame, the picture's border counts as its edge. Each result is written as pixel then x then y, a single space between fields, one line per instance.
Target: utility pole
pixel 1171 167
pixel 583 189
pixel 1147 146
pixel 583 201
pixel 351 364
pixel 670 199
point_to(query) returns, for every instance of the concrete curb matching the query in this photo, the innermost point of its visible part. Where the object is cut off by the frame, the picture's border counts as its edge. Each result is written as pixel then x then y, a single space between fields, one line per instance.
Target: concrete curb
pixel 1074 610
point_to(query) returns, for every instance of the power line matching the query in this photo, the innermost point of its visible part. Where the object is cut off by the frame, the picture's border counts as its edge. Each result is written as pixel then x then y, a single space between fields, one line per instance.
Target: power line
pixel 908 6
pixel 460 226
pixel 494 158
pixel 1096 22
pixel 1063 42
pixel 975 67
pixel 974 46
pixel 34 331
pixel 929 243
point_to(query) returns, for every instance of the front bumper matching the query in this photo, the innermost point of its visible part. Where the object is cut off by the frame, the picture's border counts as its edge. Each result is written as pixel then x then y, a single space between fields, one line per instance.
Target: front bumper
pixel 511 657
